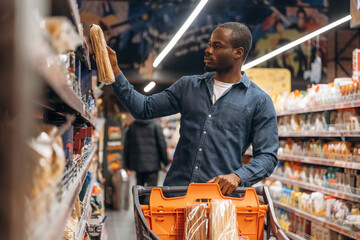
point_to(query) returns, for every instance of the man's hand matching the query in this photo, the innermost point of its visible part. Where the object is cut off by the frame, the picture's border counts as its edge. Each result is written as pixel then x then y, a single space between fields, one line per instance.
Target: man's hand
pixel 113 61
pixel 228 183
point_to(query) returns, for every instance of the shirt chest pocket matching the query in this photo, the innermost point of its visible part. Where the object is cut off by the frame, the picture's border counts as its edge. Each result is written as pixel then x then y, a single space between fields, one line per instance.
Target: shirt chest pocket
pixel 233 118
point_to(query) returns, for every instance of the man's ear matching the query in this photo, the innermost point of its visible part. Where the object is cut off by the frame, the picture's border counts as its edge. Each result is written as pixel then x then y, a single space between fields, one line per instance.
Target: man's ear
pixel 238 52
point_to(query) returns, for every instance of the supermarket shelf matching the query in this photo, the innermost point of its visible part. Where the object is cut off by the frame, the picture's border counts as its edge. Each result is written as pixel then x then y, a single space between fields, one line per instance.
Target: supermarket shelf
pixel 321 108
pixel 294 236
pixel 312 187
pixel 332 226
pixel 319 161
pixel 85 214
pixel 316 160
pixel 344 133
pixel 55 77
pixel 53 226
pixel 75 13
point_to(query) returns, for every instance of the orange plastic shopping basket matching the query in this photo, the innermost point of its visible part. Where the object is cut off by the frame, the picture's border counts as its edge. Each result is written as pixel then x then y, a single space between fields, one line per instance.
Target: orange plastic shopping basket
pixel 163 218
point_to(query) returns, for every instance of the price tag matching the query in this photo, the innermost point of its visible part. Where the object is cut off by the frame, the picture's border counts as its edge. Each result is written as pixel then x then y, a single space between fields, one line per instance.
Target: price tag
pixel 342 137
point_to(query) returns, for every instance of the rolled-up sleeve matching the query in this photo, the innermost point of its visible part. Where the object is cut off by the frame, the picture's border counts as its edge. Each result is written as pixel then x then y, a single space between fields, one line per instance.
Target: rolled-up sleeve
pixel 147 107
pixel 265 141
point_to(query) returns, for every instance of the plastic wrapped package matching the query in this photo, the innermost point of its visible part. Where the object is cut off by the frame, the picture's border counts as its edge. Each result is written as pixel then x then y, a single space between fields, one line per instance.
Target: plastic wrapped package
pixel 105 72
pixel 353 221
pixel 48 161
pixel 196 222
pixel 223 222
pixel 318 204
pixel 63 35
pixel 71 226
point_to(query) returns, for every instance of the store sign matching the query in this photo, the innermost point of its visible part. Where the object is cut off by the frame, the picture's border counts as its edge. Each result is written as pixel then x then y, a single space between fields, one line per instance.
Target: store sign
pixel 272 80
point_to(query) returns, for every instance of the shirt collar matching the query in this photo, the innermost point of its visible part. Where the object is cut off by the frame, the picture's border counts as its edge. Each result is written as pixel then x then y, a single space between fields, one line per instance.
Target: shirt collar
pixel 244 79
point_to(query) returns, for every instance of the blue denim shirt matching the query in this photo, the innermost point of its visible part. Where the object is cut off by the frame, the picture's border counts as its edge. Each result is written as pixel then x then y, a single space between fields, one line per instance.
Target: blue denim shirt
pixel 213 137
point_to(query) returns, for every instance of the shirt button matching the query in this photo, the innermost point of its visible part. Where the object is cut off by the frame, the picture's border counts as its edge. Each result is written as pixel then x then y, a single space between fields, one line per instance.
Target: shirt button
pixel 204 132
pixel 196 167
pixel 209 115
pixel 200 149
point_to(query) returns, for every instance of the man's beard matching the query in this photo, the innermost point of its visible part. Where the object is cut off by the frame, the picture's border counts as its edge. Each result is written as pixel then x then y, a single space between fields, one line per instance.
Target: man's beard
pixel 209 69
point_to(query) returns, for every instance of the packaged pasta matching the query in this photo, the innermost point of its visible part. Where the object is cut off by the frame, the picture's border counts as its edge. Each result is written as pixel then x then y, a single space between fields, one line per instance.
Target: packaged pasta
pixel 223 223
pixel 105 72
pixel 196 222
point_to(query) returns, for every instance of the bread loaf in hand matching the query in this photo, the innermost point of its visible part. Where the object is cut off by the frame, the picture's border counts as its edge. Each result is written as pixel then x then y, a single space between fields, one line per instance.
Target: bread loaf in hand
pixel 105 72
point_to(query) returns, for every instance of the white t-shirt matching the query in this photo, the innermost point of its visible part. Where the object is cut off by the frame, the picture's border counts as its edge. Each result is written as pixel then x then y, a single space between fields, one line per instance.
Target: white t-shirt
pixel 219 89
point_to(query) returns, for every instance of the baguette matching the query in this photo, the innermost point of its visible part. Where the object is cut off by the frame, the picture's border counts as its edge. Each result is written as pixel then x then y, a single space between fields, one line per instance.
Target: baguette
pixel 196 222
pixel 223 222
pixel 105 72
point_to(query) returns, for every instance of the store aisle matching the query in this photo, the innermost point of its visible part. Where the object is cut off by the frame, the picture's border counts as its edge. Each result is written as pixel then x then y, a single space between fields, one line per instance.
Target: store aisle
pixel 120 224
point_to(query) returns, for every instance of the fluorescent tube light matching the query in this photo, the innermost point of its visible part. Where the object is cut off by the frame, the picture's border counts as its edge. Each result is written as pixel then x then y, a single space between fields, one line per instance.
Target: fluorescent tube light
pixel 150 86
pixel 295 43
pixel 178 35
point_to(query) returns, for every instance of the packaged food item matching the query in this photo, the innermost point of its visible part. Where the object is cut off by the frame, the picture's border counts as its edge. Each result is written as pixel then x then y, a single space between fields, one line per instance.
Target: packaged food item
pixel 295 122
pixel 196 222
pixel 78 208
pixel 339 212
pixel 71 226
pixel 223 223
pixel 105 72
pixel 356 61
pixel 318 204
pixel 63 35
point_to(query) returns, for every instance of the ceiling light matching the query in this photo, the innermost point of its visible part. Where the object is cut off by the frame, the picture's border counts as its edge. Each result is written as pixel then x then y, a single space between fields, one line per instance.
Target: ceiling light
pixel 150 86
pixel 295 43
pixel 178 35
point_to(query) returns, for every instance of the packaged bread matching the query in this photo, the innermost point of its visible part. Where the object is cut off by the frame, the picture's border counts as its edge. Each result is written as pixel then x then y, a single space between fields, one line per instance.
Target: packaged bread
pixel 196 222
pixel 223 222
pixel 105 72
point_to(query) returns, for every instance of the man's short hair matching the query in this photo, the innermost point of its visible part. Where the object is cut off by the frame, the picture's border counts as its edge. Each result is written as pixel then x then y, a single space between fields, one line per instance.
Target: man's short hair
pixel 241 36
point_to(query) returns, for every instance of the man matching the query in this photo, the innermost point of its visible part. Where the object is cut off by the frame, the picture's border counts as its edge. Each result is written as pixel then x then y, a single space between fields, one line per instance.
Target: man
pixel 145 150
pixel 222 112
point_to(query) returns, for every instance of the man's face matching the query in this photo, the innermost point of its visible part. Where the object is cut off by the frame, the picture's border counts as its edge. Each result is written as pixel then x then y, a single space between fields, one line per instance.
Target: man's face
pixel 219 55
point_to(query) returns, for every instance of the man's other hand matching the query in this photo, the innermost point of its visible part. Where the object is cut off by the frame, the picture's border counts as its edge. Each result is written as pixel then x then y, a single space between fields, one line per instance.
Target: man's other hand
pixel 113 61
pixel 228 183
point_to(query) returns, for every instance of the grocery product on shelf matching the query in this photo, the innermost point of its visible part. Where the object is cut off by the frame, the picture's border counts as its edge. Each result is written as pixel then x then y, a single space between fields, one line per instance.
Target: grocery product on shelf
pixel 71 226
pixel 334 120
pixel 321 148
pixel 339 213
pixel 343 180
pixel 48 163
pixel 63 34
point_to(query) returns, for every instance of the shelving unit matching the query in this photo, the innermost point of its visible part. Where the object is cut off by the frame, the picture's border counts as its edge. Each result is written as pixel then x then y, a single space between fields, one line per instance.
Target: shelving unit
pixel 336 106
pixel 312 187
pixel 320 161
pixel 295 236
pixel 322 221
pixel 87 209
pixel 46 216
pixel 316 160
pixel 343 193
pixel 351 133
pixel 55 78
pixel 51 225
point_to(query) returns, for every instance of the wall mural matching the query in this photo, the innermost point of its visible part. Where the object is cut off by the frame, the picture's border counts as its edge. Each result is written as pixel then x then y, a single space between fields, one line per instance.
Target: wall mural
pixel 136 30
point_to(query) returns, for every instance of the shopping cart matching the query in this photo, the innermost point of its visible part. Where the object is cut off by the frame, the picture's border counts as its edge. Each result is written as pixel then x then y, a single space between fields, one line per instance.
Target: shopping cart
pixel 163 218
